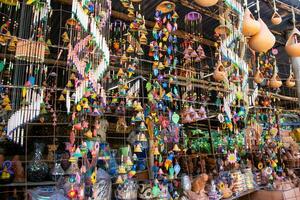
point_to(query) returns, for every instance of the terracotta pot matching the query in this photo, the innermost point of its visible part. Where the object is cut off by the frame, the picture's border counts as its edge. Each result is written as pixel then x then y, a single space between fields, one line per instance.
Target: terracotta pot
pixel 290 82
pixel 276 18
pixel 250 25
pixel 258 77
pixel 219 73
pixel 166 7
pixel 275 81
pixel 263 40
pixel 206 3
pixel 292 46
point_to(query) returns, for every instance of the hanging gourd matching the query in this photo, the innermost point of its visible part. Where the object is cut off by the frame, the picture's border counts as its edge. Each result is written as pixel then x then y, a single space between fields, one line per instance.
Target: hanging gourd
pixel 258 77
pixel 290 81
pixel 264 40
pixel 250 25
pixel 206 3
pixel 276 18
pixel 275 81
pixel 292 46
pixel 220 72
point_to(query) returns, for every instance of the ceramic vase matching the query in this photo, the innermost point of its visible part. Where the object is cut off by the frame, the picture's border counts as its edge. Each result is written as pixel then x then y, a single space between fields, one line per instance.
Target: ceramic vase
pixel 37 170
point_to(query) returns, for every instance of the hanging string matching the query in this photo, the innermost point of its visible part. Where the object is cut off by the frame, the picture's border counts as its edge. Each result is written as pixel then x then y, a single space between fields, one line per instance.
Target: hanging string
pixel 258 9
pixel 294 18
pixel 274 5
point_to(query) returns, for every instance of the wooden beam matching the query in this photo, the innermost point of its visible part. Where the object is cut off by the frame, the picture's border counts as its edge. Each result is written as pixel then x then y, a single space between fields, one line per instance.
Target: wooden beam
pixel 150 24
pixel 46 61
pixel 188 4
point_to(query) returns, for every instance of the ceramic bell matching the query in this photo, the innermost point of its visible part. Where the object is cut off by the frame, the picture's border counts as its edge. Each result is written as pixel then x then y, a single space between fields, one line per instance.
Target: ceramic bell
pixel 61 98
pixel 263 40
pixel 156 151
pixel 142 137
pixel 138 148
pixel 176 148
pixel 292 46
pixel 250 25
pixel 121 169
pixel 206 3
pixel 130 49
pixel 119 180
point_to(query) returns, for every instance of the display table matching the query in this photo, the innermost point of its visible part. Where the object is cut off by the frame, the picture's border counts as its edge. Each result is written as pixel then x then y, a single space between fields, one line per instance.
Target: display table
pixel 292 194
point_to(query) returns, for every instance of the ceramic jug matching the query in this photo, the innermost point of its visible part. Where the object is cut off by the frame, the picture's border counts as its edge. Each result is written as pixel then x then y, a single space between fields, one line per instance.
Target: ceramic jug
pixel 250 25
pixel 292 46
pixel 263 40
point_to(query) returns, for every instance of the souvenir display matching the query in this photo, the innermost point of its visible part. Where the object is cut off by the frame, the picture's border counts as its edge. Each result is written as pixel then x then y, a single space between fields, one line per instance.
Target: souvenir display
pixel 133 99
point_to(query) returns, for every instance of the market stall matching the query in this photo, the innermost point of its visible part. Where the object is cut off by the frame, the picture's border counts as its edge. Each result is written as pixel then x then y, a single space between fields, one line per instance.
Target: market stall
pixel 133 99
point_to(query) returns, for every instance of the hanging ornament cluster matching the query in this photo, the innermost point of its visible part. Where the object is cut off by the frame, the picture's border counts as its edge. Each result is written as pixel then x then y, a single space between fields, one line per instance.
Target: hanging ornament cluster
pixel 164 48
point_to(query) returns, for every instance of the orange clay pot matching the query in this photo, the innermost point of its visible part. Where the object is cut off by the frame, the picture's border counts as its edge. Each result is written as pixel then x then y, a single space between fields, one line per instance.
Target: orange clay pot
pixel 292 46
pixel 206 3
pixel 219 73
pixel 263 40
pixel 276 18
pixel 250 25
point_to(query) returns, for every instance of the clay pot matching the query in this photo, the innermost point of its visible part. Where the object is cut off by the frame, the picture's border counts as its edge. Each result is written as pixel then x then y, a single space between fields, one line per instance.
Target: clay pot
pixel 220 73
pixel 166 7
pixel 276 18
pixel 292 46
pixel 263 40
pixel 250 25
pixel 275 81
pixel 290 82
pixel 258 77
pixel 206 3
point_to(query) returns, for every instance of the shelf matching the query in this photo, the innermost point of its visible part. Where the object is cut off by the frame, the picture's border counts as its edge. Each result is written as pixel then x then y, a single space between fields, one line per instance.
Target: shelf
pixel 45 183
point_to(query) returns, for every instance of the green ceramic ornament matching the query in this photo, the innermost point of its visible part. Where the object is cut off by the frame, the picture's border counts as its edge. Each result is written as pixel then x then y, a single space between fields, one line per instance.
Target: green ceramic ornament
pixel 1 66
pixel 175 118
pixel 148 86
pixel 155 191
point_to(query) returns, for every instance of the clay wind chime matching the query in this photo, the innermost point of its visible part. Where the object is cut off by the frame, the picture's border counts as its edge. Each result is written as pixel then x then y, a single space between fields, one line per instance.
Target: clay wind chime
pixel 32 50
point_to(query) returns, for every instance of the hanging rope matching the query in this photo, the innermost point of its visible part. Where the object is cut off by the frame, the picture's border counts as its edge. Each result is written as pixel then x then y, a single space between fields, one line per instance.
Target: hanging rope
pixel 258 9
